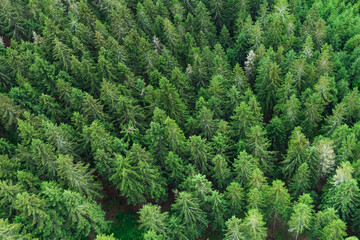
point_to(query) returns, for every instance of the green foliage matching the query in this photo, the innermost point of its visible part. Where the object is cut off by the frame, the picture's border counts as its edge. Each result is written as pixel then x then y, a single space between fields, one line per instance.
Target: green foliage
pixel 233 229
pixel 235 195
pixel 125 226
pixel 300 183
pixel 137 177
pixel 301 217
pixel 296 152
pixel 77 176
pixel 254 226
pixel 344 198
pixel 203 109
pixel 33 214
pixel 257 145
pixel 278 201
pixel 152 219
pixel 105 237
pixel 187 209
pixel 10 230
pixel 199 153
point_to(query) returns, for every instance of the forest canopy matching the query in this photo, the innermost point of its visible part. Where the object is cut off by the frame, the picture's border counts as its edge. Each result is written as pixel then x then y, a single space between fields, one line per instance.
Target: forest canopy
pixel 211 119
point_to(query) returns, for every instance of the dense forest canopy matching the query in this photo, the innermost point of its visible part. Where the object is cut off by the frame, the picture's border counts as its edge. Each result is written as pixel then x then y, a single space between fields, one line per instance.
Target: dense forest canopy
pixel 213 119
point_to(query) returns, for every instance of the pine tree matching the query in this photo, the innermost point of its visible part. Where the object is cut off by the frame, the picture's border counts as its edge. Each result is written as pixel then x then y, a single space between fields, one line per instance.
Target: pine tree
pixel 9 112
pixel 10 230
pixel 258 145
pixel 278 201
pixel 243 119
pixel 152 219
pixel 326 156
pixel 267 83
pixel 276 133
pixel 8 167
pixel 291 111
pixel 326 89
pixel 300 183
pixel 295 155
pixel 335 230
pixel 171 36
pixel 198 185
pixel 221 171
pixel 206 123
pixel 243 166
pixel 127 179
pixel 344 198
pixel 77 176
pixel 203 21
pixel 234 229
pixel 254 226
pixel 171 101
pixel 187 209
pixel 301 218
pixel 174 165
pixel 199 153
pixel 235 195
pixel 325 219
pixel 44 157
pixel 59 138
pixel 217 7
pixel 8 193
pixel 105 237
pixel 256 199
pixel 257 179
pixel 218 210
pixel 312 113
pixel 83 214
pixel 332 122
pixel 62 53
pixel 92 109
pixel 174 136
pixel 32 210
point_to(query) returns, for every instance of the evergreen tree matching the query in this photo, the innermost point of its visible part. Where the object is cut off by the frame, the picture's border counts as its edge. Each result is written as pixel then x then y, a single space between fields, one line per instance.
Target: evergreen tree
pixel 128 180
pixel 199 153
pixel 218 210
pixel 243 119
pixel 206 123
pixel 243 166
pixel 296 151
pixel 175 167
pixel 276 133
pixel 235 195
pixel 152 219
pixel 256 199
pixel 301 218
pixel 278 201
pixel 267 83
pixel 326 156
pixel 77 176
pixel 10 230
pixel 234 229
pixel 344 198
pixel 221 170
pixel 187 209
pixel 254 226
pixel 300 183
pixel 8 194
pixel 171 101
pixel 335 230
pixel 257 145
pixel 33 213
